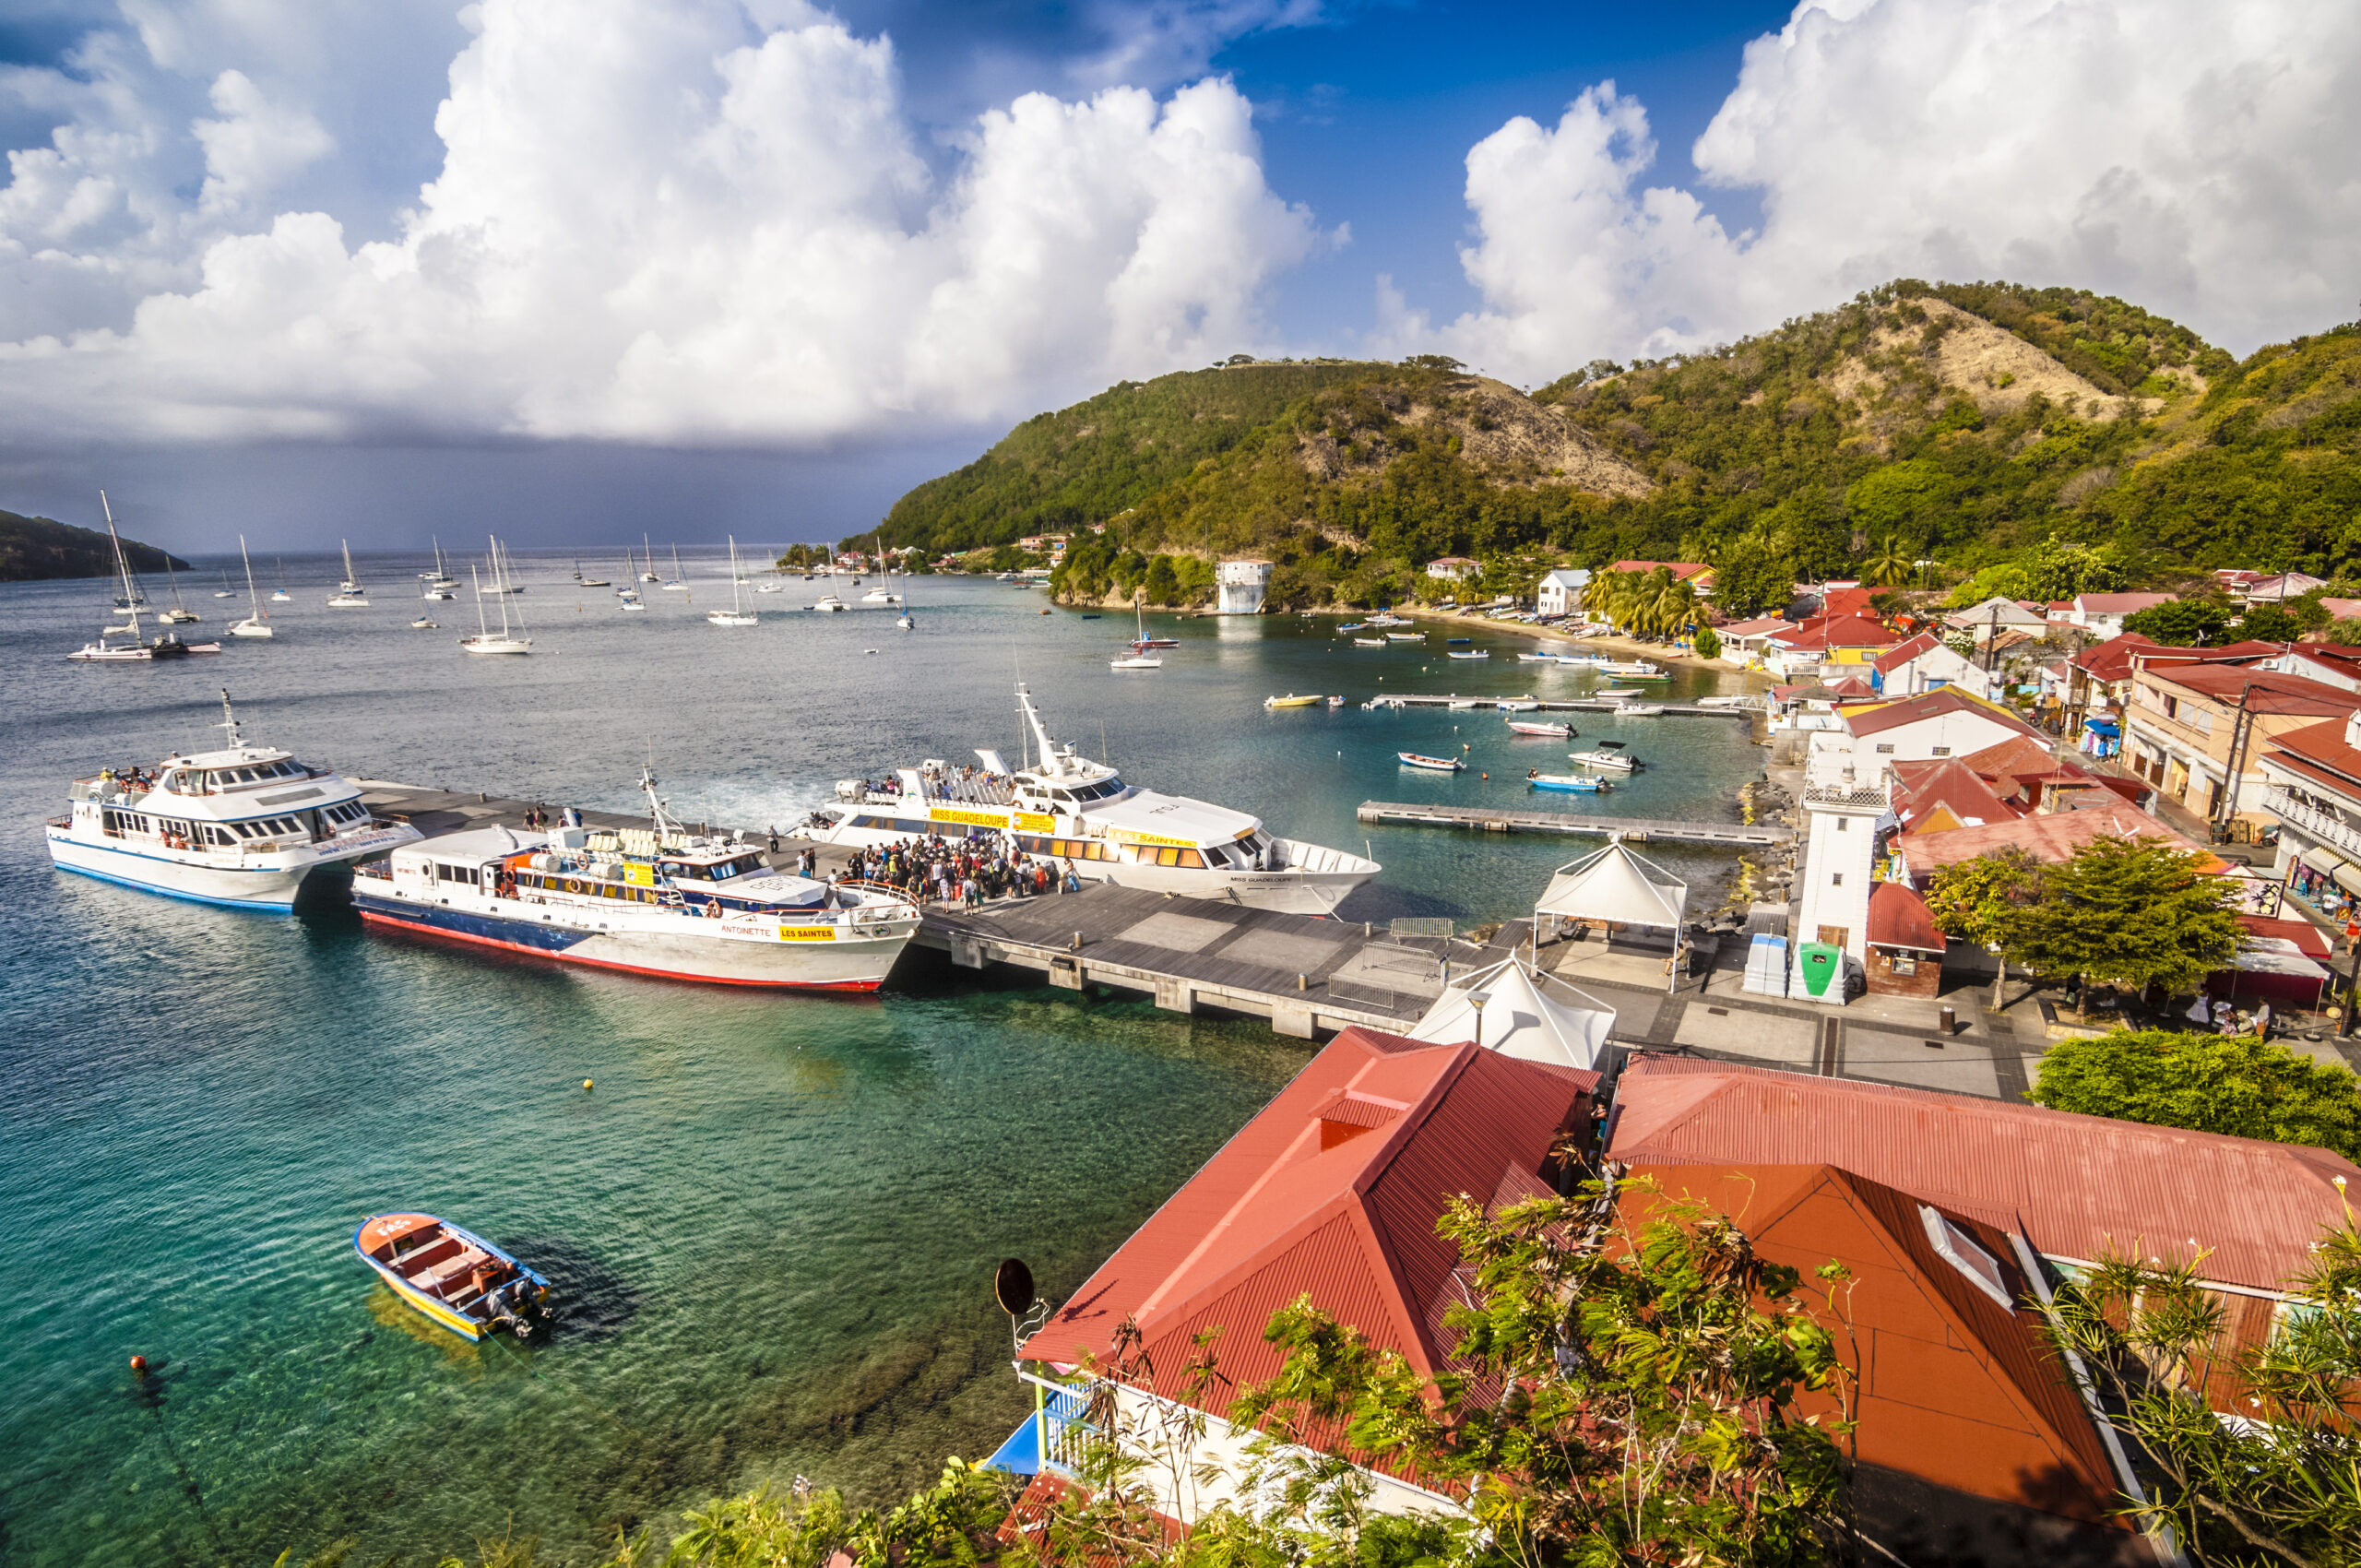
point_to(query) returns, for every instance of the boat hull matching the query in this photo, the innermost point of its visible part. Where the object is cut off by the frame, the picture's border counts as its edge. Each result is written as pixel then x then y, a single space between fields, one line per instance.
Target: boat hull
pixel 428 1307
pixel 850 963
pixel 271 885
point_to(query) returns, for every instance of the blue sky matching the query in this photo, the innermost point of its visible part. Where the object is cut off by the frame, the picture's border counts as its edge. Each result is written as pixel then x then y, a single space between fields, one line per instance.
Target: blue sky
pixel 585 268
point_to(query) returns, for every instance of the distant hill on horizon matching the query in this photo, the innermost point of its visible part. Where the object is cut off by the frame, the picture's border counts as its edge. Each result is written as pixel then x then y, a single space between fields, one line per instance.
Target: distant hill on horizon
pixel 37 548
pixel 1971 425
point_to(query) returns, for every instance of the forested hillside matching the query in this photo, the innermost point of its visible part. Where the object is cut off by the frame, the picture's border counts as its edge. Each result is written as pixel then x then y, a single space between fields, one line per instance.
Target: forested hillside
pixel 1972 434
pixel 33 548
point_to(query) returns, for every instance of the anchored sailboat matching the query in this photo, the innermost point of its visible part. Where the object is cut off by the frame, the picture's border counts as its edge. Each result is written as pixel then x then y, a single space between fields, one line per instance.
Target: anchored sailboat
pixel 737 614
pixel 350 594
pixel 257 623
pixel 485 640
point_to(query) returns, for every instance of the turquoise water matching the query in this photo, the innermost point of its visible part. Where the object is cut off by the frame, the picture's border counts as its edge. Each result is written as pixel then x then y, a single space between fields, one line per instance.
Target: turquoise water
pixel 773 1221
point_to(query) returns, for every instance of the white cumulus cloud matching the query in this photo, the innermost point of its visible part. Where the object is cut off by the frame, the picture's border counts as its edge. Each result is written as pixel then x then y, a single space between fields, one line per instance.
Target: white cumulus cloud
pixel 684 223
pixel 2194 156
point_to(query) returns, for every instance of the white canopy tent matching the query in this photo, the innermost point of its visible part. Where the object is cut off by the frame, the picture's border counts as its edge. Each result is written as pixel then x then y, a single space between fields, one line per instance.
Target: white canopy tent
pixel 1615 886
pixel 1511 1008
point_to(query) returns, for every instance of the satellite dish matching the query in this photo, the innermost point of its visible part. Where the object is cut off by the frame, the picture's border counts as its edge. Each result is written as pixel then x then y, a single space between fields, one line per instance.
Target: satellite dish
pixel 1013 1287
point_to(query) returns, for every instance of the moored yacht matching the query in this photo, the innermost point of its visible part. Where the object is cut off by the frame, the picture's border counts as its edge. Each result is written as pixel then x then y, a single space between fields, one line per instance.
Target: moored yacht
pixel 1082 815
pixel 242 826
pixel 656 901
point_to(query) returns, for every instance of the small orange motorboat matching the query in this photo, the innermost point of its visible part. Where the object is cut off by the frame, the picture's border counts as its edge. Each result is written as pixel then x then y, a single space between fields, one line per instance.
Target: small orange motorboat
pixel 454 1277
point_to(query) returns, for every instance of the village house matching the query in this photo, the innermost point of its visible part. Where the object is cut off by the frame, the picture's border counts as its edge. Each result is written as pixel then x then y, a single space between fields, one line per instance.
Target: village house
pixel 1829 646
pixel 2312 789
pixel 1560 592
pixel 2198 731
pixel 1331 1191
pixel 2068 1190
pixel 1921 664
pixel 1743 642
pixel 1945 723
pixel 1995 615
pixel 2101 615
pixel 1453 568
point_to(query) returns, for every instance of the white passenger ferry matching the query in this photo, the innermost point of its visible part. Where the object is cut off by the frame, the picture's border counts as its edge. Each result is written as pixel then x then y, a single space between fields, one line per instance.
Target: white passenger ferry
pixel 1081 814
pixel 242 826
pixel 653 901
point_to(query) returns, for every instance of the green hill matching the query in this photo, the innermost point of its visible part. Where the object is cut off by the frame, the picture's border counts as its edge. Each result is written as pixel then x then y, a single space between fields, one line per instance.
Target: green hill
pixel 2033 440
pixel 36 548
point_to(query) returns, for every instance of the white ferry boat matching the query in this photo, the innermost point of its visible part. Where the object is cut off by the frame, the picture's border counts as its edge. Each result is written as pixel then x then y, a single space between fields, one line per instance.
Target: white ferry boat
pixel 242 826
pixel 1081 815
pixel 653 901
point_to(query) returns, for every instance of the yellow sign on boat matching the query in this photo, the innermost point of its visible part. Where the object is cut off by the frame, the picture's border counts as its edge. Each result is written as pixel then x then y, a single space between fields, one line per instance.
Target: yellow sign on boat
pixel 1036 821
pixel 807 933
pixel 1130 836
pixel 967 819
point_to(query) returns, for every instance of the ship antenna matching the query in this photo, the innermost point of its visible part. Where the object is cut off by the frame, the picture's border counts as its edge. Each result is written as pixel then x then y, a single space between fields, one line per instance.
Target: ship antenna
pixel 229 721
pixel 664 823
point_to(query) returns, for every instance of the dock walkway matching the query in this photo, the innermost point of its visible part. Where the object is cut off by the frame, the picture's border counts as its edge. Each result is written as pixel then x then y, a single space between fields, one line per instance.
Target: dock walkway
pixel 1306 975
pixel 1640 829
pixel 1565 705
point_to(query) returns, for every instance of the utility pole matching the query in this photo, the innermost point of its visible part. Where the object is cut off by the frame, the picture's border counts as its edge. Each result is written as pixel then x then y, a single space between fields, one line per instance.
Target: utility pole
pixel 2241 735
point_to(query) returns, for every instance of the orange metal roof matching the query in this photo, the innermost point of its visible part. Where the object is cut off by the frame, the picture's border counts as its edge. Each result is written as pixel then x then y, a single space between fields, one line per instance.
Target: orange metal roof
pixel 1955 1388
pixel 1287 1208
pixel 2076 1184
pixel 1899 917
pixel 1910 710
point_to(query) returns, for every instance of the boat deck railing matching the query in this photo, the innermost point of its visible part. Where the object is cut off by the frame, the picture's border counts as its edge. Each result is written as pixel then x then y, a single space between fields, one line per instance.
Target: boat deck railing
pixel 969 792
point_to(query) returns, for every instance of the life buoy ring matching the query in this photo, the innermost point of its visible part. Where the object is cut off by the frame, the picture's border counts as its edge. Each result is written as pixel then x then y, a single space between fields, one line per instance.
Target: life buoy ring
pixel 713 908
pixel 573 884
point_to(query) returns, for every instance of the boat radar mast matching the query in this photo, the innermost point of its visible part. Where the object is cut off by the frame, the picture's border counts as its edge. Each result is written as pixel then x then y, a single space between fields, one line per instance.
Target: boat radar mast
pixel 1056 762
pixel 666 827
pixel 228 723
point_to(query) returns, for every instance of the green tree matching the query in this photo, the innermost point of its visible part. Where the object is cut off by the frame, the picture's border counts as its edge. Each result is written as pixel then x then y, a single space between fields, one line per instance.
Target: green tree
pixel 1982 901
pixel 1750 578
pixel 2240 1084
pixel 1897 493
pixel 1631 1391
pixel 2058 570
pixel 2132 912
pixel 2181 623
pixel 1163 583
pixel 1709 643
pixel 2281 1485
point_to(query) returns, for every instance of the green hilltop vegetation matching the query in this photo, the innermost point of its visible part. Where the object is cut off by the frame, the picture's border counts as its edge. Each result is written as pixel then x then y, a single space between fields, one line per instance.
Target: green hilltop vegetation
pixel 1987 436
pixel 33 549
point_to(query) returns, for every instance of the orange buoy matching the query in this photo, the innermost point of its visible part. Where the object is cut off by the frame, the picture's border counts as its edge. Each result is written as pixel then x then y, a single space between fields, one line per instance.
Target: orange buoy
pixel 139 1364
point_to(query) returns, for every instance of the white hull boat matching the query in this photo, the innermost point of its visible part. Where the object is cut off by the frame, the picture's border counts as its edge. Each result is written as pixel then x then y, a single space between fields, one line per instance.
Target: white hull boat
pixel 737 614
pixel 651 901
pixel 243 827
pixel 1081 816
pixel 487 641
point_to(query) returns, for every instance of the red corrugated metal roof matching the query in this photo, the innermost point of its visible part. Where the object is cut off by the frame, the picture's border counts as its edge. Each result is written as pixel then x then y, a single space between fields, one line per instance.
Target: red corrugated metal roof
pixel 1955 1388
pixel 2076 1184
pixel 1276 1214
pixel 1899 917
pixel 1920 786
pixel 2052 837
pixel 2265 691
pixel 2111 660
pixel 1901 654
pixel 2323 746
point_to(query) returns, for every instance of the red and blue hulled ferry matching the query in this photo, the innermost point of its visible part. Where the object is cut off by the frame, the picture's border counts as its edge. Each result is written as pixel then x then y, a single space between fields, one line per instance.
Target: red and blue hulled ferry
pixel 654 901
pixel 454 1278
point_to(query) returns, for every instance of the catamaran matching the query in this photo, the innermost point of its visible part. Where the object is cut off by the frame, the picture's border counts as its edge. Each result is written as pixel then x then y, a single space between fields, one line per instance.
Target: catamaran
pixel 1081 814
pixel 256 623
pixel 279 594
pixel 648 576
pixel 680 582
pixel 737 614
pixel 486 640
pixel 246 825
pixel 350 594
pixel 179 615
pixel 654 901
pixel 1139 657
pixel 588 582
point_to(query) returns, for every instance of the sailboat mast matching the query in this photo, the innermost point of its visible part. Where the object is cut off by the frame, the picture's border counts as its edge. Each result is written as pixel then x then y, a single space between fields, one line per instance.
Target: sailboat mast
pixel 121 566
pixel 483 632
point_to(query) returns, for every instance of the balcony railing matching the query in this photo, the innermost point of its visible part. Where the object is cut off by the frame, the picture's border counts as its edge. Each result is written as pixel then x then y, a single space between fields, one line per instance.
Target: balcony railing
pixel 2320 824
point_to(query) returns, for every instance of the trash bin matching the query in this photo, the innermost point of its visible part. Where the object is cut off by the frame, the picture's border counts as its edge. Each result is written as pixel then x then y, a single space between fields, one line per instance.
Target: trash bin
pixel 1822 968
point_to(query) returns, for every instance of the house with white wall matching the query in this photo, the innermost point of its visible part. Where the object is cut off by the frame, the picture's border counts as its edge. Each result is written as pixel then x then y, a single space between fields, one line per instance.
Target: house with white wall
pixel 1560 592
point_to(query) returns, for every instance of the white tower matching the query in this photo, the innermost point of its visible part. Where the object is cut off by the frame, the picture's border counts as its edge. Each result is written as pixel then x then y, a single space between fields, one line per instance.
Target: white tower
pixel 1242 584
pixel 1839 870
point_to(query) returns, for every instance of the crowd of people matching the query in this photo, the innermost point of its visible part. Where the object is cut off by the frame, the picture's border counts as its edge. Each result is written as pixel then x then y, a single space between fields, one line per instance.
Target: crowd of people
pixel 958 870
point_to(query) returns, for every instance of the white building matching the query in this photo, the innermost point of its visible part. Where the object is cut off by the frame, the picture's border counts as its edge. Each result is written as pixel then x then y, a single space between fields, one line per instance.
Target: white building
pixel 1453 569
pixel 1921 729
pixel 1561 592
pixel 1839 872
pixel 1242 583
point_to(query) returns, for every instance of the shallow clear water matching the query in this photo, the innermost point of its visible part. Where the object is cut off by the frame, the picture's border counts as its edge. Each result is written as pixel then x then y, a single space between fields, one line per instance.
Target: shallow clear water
pixel 773 1221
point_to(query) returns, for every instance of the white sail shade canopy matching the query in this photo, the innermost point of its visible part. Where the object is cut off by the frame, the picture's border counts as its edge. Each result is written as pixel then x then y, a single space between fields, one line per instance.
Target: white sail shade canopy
pixel 1617 886
pixel 1509 1007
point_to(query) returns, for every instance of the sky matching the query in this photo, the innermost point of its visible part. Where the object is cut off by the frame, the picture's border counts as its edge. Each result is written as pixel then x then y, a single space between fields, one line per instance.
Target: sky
pixel 578 270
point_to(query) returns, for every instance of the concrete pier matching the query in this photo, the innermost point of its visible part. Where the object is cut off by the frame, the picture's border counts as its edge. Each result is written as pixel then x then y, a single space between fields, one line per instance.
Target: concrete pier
pixel 1638 829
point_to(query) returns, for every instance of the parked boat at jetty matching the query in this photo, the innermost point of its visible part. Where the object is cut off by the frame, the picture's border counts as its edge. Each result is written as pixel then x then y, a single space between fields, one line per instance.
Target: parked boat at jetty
pixel 657 900
pixel 1639 710
pixel 1069 809
pixel 453 1278
pixel 1634 669
pixel 1568 783
pixel 1432 764
pixel 1542 727
pixel 1607 756
pixel 242 826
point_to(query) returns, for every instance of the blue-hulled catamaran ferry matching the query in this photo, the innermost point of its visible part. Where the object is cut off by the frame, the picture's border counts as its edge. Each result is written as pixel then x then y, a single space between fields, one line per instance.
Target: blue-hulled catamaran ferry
pixel 657 900
pixel 243 827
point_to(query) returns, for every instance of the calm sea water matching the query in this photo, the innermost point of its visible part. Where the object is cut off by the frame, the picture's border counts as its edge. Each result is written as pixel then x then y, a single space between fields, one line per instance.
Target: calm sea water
pixel 773 1221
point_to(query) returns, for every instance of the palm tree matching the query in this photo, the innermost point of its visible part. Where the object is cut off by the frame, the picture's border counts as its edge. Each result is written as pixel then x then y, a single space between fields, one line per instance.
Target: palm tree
pixel 1889 567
